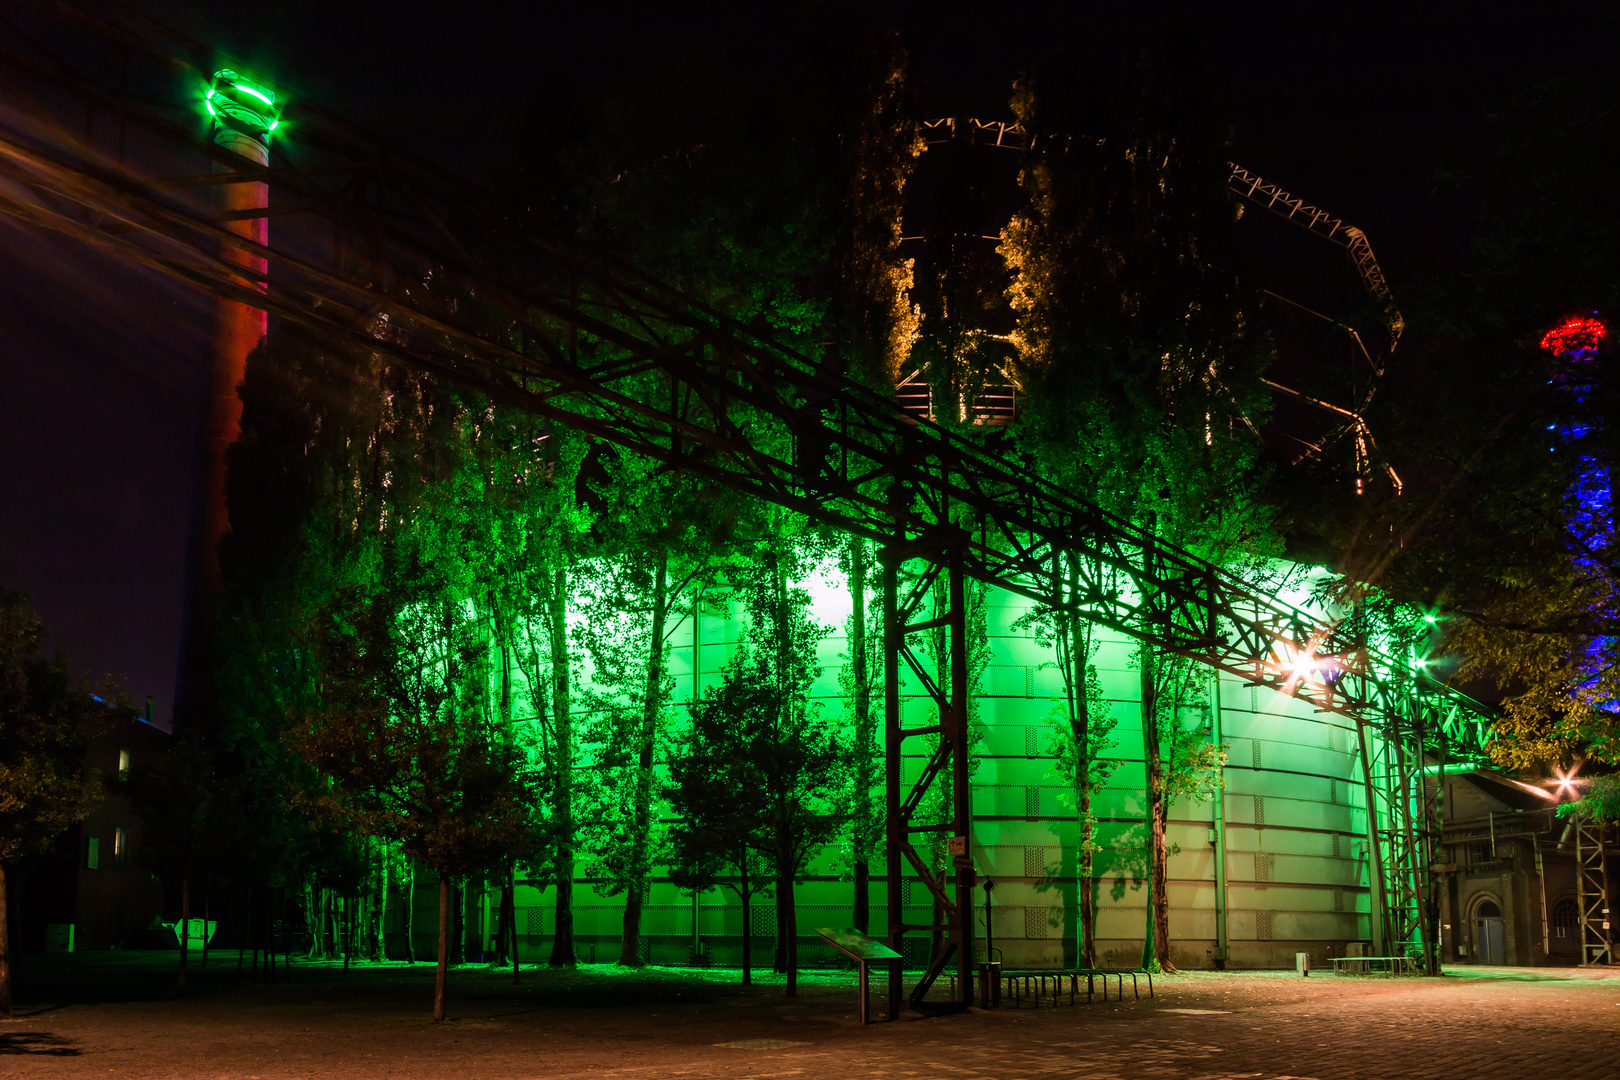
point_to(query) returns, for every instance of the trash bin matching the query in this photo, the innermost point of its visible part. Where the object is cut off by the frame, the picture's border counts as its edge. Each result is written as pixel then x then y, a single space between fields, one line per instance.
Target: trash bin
pixel 1302 963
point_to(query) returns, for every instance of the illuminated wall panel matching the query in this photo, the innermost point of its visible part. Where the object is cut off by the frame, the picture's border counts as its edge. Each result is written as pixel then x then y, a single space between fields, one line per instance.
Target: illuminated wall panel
pixel 1293 801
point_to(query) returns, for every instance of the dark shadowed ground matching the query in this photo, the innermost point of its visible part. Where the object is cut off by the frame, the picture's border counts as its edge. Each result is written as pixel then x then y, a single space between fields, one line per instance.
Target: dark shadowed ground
pixel 113 1014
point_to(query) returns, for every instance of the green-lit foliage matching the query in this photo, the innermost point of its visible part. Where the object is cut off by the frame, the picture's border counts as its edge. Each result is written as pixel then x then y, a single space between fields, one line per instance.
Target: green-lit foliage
pixel 718 802
pixel 1600 803
pixel 534 534
pixel 660 534
pixel 790 768
pixel 1082 734
pixel 1140 347
pixel 360 628
pixel 308 506
pixel 404 735
pixel 857 676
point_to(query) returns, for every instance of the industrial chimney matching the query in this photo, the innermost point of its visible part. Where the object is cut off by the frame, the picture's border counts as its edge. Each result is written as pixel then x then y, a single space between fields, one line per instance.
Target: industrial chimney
pixel 243 115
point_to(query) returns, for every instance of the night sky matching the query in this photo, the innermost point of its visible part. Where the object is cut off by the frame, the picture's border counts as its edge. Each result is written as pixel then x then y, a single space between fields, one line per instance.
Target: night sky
pixel 1354 109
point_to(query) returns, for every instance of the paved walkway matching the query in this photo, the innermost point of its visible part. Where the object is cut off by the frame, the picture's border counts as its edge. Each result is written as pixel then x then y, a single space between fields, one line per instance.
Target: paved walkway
pixel 112 1016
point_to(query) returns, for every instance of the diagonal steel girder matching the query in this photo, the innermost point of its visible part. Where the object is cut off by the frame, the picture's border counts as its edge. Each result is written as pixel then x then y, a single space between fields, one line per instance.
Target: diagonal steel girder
pixel 381 251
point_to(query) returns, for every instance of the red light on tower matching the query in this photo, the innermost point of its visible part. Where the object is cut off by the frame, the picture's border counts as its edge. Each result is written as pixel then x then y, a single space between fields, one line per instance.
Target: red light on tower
pixel 1575 334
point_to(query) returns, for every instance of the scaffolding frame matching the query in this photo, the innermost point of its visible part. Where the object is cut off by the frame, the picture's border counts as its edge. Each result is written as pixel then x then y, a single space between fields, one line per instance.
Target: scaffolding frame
pixel 1403 828
pixel 945 762
pixel 1592 893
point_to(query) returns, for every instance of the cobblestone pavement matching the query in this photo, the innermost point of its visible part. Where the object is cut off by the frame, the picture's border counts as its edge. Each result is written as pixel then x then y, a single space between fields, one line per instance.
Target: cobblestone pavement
pixel 1499 1023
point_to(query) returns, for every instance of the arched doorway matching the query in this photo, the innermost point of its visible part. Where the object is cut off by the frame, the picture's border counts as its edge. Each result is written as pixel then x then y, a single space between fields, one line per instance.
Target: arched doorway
pixel 1566 936
pixel 1488 941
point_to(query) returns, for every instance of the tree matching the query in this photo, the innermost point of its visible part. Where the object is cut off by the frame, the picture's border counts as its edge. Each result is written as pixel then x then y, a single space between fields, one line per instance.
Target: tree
pixel 660 533
pixel 403 733
pixel 46 720
pixel 793 759
pixel 532 531
pixel 855 679
pixel 712 792
pixel 1082 734
pixel 175 795
pixel 324 430
pixel 1140 348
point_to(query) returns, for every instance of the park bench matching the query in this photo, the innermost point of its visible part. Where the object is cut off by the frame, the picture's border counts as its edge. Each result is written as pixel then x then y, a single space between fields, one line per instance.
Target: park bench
pixel 1374 965
pixel 1037 984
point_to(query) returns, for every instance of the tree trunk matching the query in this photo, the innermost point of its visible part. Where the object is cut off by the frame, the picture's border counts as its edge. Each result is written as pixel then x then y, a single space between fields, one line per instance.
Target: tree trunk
pixel 1075 673
pixel 562 939
pixel 1161 888
pixel 1159 912
pixel 863 895
pixel 311 921
pixel 247 932
pixel 790 932
pixel 630 945
pixel 511 884
pixel 865 734
pixel 458 924
pixel 346 931
pixel 185 925
pixel 503 926
pixel 1085 865
pixel 379 925
pixel 444 946
pixel 409 914
pixel 253 929
pixel 630 934
pixel 748 922
pixel 779 953
pixel 5 948
pixel 267 936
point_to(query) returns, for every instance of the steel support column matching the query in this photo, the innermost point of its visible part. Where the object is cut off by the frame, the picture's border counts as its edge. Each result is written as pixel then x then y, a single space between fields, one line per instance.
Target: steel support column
pixel 942 749
pixel 1399 836
pixel 1592 893
pixel 1431 826
pixel 1376 892
pixel 1223 944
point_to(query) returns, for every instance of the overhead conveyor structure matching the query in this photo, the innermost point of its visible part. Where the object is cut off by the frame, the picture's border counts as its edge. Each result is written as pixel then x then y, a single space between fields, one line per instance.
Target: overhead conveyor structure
pixel 373 248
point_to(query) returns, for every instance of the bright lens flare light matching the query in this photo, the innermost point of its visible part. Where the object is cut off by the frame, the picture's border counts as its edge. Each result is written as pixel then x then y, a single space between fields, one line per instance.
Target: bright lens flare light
pixel 1303 665
pixel 1566 782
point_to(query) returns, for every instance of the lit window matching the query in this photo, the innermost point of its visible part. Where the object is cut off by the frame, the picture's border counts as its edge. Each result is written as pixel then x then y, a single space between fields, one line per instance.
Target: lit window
pixel 120 849
pixel 123 763
pixel 92 853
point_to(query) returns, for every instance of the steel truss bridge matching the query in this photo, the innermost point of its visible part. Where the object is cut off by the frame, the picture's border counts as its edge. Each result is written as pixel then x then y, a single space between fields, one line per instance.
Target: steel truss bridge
pixel 100 141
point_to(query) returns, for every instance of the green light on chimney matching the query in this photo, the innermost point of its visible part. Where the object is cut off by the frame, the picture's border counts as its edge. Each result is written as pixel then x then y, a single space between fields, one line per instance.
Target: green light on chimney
pixel 242 106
